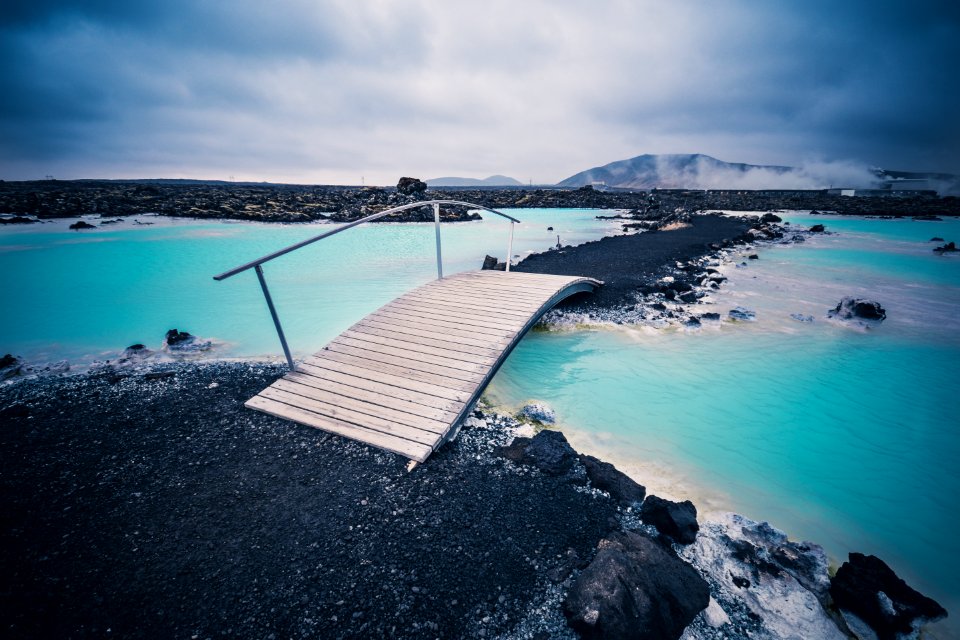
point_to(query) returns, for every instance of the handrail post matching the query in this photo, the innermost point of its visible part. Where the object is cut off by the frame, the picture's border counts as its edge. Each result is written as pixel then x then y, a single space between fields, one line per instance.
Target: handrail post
pixel 273 313
pixel 510 247
pixel 436 223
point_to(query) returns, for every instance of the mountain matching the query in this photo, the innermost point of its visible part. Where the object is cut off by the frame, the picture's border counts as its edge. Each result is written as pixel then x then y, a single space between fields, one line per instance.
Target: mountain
pixel 492 181
pixel 674 171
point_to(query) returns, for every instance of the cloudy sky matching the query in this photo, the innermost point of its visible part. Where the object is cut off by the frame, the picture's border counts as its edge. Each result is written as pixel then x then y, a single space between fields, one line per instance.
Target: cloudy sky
pixel 332 91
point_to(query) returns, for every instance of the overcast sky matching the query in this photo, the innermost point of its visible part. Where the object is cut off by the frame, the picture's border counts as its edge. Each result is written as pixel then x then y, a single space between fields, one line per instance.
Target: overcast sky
pixel 320 91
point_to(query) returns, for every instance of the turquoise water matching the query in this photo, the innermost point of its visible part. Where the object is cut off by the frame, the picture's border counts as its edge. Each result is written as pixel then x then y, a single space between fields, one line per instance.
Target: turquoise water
pixel 88 294
pixel 841 436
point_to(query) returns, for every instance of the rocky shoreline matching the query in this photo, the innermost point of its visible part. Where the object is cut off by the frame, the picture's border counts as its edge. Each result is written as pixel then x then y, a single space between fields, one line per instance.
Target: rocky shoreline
pixel 149 505
pixel 25 202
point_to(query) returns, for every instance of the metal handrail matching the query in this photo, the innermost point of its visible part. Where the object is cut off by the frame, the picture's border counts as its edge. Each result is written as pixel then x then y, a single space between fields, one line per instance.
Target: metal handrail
pixel 257 264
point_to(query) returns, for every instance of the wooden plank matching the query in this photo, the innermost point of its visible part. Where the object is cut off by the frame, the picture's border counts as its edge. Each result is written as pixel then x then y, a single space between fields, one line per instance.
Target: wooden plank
pixel 427 332
pixel 498 292
pixel 334 402
pixel 404 447
pixel 411 354
pixel 464 374
pixel 423 349
pixel 465 319
pixel 418 392
pixel 323 368
pixel 433 407
pixel 329 359
pixel 448 342
pixel 391 315
pixel 489 309
pixel 474 301
pixel 515 279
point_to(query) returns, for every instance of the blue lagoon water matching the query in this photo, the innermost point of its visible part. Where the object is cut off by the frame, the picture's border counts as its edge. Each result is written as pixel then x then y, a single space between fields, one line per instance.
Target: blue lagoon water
pixel 845 437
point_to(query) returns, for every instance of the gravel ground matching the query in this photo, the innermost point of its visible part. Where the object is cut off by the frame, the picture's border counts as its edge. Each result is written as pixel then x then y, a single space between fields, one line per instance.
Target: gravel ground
pixel 162 508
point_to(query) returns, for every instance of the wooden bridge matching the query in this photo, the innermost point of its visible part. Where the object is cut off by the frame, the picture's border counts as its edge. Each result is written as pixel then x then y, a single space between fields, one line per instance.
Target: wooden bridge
pixel 405 376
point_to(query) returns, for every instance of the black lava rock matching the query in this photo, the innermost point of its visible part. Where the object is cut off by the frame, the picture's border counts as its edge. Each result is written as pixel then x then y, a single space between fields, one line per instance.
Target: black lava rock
pixel 858 308
pixel 935 239
pixel 175 336
pixel 548 451
pixel 818 228
pixel 635 588
pixel 81 224
pixel 489 263
pixel 677 520
pixel 606 477
pixel 753 256
pixel 770 217
pixel 868 588
pixel 411 186
pixel 947 248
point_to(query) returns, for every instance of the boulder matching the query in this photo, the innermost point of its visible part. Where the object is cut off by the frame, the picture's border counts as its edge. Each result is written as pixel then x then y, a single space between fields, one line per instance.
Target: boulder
pixel 548 451
pixel 411 186
pixel 947 248
pixel 10 366
pixel 868 588
pixel 139 351
pixel 761 579
pixel 16 220
pixel 770 217
pixel 753 256
pixel 818 228
pixel 935 239
pixel 606 477
pixel 710 316
pixel 635 588
pixel 676 520
pixel 537 412
pixel 183 342
pixel 82 224
pixel 489 263
pixel 858 309
pixel 742 314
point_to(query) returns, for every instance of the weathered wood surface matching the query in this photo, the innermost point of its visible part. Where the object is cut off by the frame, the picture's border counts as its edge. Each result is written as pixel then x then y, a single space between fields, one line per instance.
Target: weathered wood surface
pixel 403 377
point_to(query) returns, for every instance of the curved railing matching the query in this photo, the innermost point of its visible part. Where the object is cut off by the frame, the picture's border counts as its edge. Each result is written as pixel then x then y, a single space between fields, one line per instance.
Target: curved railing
pixel 256 265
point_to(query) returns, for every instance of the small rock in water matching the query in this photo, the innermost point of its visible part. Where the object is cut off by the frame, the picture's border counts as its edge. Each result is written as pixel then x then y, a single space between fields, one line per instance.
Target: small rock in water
pixel 799 317
pixel 137 352
pixel 710 317
pixel 868 588
pixel 935 239
pixel 183 342
pixel 81 224
pixel 858 309
pixel 538 412
pixel 770 217
pixel 818 228
pixel 10 366
pixel 742 314
pixel 753 256
pixel 947 248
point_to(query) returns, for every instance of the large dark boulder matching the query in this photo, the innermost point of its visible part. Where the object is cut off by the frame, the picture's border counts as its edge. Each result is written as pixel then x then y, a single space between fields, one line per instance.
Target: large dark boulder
pixel 635 588
pixel 10 366
pixel 770 217
pixel 411 186
pixel 677 520
pixel 858 309
pixel 606 477
pixel 818 228
pixel 81 224
pixel 548 451
pixel 868 588
pixel 489 263
pixel 947 248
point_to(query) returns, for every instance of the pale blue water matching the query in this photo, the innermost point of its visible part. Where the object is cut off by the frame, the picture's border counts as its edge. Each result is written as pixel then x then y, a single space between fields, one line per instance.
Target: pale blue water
pixel 847 438
pixel 88 294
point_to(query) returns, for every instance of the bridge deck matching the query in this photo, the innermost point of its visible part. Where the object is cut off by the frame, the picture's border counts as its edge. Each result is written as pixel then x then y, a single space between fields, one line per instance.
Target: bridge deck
pixel 404 376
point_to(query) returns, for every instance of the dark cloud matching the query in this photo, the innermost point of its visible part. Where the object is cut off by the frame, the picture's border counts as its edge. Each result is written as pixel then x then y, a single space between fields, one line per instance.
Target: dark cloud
pixel 332 90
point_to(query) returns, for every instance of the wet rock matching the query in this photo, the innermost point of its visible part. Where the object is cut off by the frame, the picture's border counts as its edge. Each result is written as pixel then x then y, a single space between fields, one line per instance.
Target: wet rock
pixel 138 351
pixel 858 309
pixel 411 186
pixel 710 317
pixel 606 477
pixel 548 451
pixel 82 224
pixel 742 314
pixel 947 248
pixel 928 217
pixel 10 366
pixel 818 228
pixel 16 220
pixel 935 239
pixel 538 412
pixel 770 217
pixel 182 342
pixel 759 577
pixel 868 588
pixel 753 256
pixel 61 366
pixel 799 317
pixel 635 588
pixel 489 263
pixel 676 520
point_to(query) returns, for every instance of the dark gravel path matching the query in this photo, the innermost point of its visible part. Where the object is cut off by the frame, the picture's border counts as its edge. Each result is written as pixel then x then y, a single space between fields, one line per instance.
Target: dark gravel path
pixel 629 262
pixel 164 509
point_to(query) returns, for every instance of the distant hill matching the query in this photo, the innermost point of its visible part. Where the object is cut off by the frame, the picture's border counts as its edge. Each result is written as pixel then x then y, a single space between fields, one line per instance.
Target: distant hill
pixel 492 181
pixel 673 171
